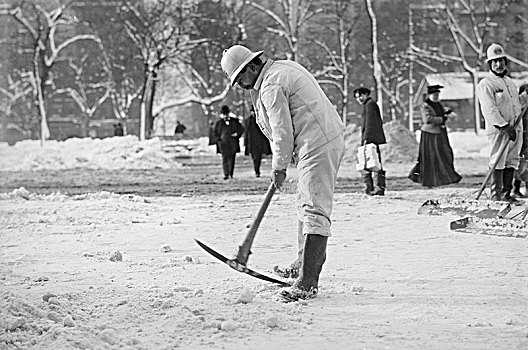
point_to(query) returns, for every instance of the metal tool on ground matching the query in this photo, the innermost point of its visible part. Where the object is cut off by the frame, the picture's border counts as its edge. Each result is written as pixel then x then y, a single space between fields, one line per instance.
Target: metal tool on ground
pixel 481 216
pixel 240 261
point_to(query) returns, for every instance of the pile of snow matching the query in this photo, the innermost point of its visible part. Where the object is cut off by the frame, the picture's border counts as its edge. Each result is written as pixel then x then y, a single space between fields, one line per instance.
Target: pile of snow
pixel 402 144
pixel 110 153
pixel 129 153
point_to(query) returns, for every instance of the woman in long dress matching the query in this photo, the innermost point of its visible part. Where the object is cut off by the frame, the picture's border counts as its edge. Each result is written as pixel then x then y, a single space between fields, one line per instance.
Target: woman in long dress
pixel 435 158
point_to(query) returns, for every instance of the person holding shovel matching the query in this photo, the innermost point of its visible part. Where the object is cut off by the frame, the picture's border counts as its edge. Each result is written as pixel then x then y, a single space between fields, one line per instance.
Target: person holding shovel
pixel 302 124
pixel 501 106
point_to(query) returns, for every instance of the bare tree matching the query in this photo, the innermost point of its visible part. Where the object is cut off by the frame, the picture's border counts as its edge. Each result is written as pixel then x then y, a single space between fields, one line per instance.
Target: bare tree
pixel 200 76
pixel 196 94
pixel 16 88
pixel 335 70
pixel 469 26
pixel 295 14
pixel 88 96
pixel 375 56
pixel 43 26
pixel 161 31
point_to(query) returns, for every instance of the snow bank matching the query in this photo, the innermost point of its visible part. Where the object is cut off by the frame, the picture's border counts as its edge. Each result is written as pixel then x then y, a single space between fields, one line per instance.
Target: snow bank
pixel 129 153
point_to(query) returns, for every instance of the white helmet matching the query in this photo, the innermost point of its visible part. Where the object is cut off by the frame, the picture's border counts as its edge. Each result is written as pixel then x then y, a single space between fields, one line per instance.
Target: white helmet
pixel 235 59
pixel 495 51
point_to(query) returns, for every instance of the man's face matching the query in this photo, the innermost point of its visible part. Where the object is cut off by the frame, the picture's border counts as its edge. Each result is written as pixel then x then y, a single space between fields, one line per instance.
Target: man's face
pixel 498 65
pixel 247 77
pixel 361 98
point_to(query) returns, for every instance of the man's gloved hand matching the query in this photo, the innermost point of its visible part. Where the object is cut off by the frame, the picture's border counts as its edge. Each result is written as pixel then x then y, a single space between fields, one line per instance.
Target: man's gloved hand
pixel 509 131
pixel 278 177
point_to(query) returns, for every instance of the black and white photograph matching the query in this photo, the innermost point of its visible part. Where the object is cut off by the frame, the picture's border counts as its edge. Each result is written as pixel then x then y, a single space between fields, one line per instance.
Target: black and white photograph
pixel 263 174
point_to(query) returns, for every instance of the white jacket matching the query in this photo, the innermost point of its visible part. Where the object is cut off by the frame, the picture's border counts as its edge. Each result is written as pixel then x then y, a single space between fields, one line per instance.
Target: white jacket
pixel 499 102
pixel 293 111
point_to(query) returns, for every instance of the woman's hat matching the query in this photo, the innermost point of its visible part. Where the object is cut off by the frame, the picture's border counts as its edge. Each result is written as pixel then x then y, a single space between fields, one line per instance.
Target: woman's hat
pixel 434 88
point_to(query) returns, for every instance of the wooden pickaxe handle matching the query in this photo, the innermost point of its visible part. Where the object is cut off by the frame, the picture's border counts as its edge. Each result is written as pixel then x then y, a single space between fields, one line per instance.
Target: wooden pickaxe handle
pixel 245 249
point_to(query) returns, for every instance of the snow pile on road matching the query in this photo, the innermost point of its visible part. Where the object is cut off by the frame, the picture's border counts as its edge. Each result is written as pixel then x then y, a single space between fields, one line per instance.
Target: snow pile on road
pixel 110 153
pixel 129 153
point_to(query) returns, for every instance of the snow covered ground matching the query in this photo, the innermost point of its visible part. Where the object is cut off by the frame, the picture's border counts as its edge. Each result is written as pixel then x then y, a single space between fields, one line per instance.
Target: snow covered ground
pixel 108 271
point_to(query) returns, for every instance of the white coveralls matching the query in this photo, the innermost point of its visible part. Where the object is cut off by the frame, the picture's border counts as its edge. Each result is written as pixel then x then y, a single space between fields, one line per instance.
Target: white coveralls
pixel 501 105
pixel 295 114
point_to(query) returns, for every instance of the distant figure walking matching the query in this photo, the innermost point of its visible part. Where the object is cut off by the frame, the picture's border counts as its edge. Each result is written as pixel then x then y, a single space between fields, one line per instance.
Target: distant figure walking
pixel 255 142
pixel 371 132
pixel 435 157
pixel 118 129
pixel 179 131
pixel 227 133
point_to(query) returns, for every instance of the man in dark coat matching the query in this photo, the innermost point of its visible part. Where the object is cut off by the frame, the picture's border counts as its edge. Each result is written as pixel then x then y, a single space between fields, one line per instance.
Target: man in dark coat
pixel 227 133
pixel 255 142
pixel 371 132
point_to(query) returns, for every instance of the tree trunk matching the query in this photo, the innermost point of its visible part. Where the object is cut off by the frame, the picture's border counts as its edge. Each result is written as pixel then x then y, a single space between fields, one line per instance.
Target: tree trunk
pixel 476 107
pixel 85 125
pixel 149 117
pixel 44 130
pixel 375 56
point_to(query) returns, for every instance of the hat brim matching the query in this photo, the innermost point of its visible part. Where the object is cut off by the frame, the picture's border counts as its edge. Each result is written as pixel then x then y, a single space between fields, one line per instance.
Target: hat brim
pixel 242 65
pixel 494 58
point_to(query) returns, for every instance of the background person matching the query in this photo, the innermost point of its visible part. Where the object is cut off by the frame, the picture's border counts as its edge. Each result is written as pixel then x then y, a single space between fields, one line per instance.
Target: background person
pixel 371 132
pixel 179 131
pixel 227 133
pixel 500 105
pixel 301 124
pixel 256 144
pixel 521 174
pixel 118 129
pixel 435 156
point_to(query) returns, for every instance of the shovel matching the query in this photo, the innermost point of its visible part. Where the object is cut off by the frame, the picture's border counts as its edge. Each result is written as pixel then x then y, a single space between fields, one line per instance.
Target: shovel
pixel 473 207
pixel 240 261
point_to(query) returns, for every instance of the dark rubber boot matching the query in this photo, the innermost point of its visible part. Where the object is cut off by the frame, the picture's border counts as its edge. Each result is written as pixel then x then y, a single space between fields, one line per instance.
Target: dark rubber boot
pixel 507 185
pixel 496 185
pixel 380 183
pixel 517 188
pixel 314 257
pixel 369 183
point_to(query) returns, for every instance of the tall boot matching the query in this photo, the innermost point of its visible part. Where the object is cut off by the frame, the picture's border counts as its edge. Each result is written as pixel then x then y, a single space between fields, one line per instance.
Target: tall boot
pixel 496 185
pixel 314 257
pixel 293 270
pixel 380 183
pixel 507 185
pixel 517 188
pixel 369 183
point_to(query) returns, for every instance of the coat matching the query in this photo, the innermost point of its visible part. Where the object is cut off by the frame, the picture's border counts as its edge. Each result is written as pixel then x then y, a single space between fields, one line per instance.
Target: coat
pixel 293 111
pixel 432 121
pixel 255 142
pixel 499 102
pixel 227 133
pixel 372 128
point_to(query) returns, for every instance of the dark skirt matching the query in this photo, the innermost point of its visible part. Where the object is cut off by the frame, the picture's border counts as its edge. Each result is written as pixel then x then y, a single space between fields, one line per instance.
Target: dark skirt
pixel 435 161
